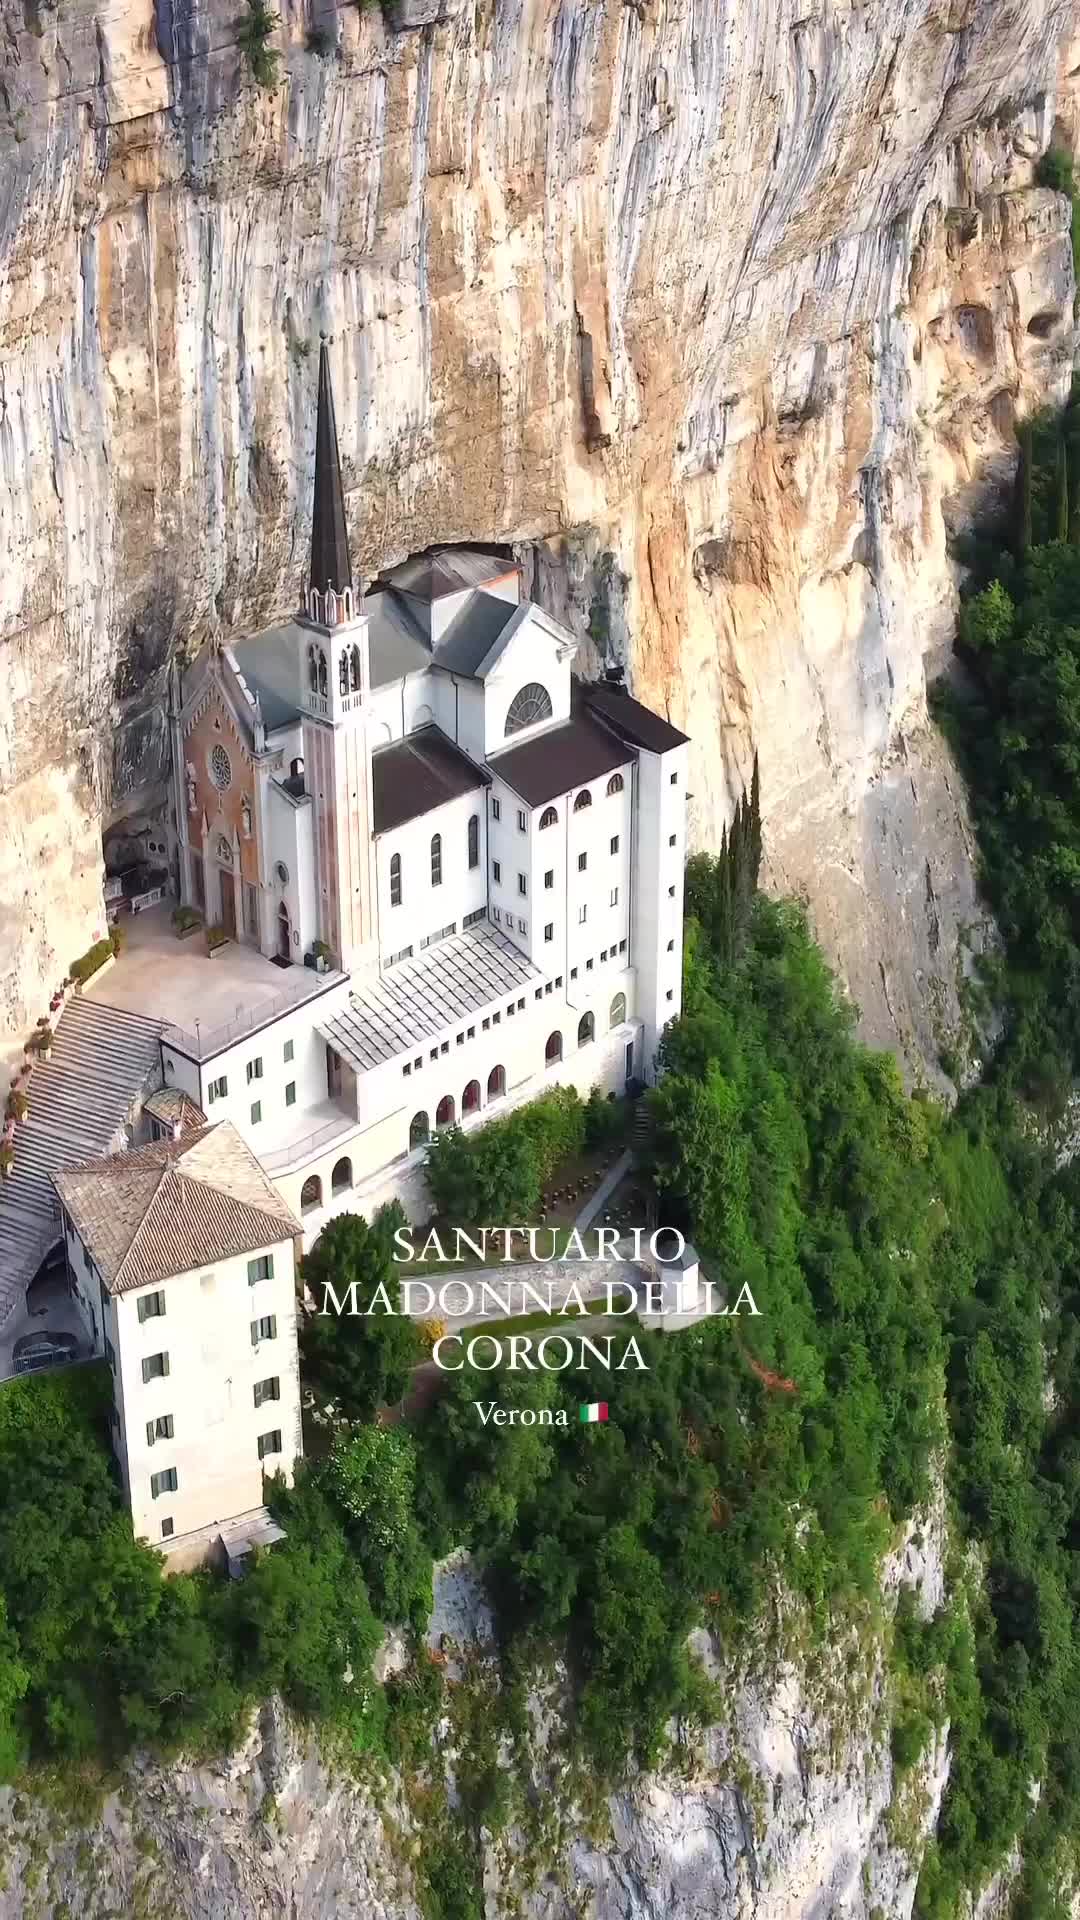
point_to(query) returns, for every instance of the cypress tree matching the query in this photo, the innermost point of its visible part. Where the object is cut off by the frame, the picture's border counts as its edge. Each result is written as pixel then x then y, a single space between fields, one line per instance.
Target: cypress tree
pixel 1023 489
pixel 724 930
pixel 1061 490
pixel 1072 459
pixel 755 826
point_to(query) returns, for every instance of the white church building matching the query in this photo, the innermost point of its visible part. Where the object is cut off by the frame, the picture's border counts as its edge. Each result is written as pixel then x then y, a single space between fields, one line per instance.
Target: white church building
pixel 479 858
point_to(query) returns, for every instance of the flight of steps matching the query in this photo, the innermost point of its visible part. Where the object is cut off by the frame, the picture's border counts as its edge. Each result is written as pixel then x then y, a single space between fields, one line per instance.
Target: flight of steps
pixel 102 1060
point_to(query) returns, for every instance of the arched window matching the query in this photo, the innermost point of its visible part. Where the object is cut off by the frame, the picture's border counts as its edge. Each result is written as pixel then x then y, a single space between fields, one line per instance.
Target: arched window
pixel 341 1178
pixel 313 669
pixel 436 859
pixel 322 674
pixel 586 1029
pixel 343 671
pixel 284 933
pixel 553 1049
pixel 395 879
pixel 296 770
pixel 224 850
pixel 583 800
pixel 474 839
pixel 615 784
pixel 444 1112
pixel 311 1194
pixel 528 707
pixel 419 1129
pixel 354 670
pixel 549 818
pixel 496 1083
pixel 617 1013
pixel 470 1099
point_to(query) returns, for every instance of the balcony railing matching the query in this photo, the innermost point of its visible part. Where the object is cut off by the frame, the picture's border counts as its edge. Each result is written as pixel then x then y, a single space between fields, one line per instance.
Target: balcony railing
pixel 296 1152
pixel 204 1042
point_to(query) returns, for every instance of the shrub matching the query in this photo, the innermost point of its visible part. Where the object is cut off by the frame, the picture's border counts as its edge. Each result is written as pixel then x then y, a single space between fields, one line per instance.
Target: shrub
pixel 116 936
pixel 254 31
pixel 184 918
pixel 216 937
pixel 89 963
pixel 18 1106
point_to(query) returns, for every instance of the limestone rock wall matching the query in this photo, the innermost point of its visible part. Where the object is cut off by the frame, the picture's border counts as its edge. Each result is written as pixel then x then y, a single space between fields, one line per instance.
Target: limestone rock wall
pixel 720 310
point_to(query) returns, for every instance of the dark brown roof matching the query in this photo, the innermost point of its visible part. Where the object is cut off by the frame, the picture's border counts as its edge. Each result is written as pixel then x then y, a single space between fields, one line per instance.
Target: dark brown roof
pixel 416 774
pixel 632 721
pixel 561 759
pixel 329 540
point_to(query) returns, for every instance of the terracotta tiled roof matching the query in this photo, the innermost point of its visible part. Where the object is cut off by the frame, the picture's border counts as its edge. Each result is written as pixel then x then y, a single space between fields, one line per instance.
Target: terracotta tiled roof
pixel 172 1106
pixel 173 1206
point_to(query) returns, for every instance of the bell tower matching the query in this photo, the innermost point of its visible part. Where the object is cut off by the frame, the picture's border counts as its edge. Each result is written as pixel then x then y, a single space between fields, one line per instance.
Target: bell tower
pixel 335 677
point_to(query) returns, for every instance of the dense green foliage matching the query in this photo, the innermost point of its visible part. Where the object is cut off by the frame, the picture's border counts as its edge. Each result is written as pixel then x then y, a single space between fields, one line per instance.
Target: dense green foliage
pixel 496 1173
pixel 359 1359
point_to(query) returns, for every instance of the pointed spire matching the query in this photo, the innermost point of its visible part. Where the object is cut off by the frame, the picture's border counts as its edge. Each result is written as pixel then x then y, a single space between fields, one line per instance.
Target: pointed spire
pixel 329 540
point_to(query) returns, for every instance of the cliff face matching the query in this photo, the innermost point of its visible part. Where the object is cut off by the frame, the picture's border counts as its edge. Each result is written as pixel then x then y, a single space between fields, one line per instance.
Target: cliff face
pixel 720 312
pixel 788 1810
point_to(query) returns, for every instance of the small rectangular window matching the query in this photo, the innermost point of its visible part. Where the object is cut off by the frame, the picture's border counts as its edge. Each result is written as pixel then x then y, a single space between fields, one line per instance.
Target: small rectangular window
pixel 669 995
pixel 264 1329
pixel 674 779
pixel 406 1071
pixel 521 1006
pixel 510 1011
pixel 671 946
pixel 218 1089
pixel 496 872
pixel 671 893
pixel 287 1052
pixel 622 946
pixel 549 878
pixel 254 1070
pixel 485 1024
pixel 164 1482
pixel 522 821
pixel 256 1112
pixel 548 987
pixel 445 1048
pixel 155 1366
pixel 496 808
pixel 167 1529
pixel 261 1268
pixel 474 840
pixel 539 994
pixel 522 885
pixel 496 1019
pixel 573 973
pixel 614 843
pixel 110 1353
pixel 461 1040
pixel 581 914
pixel 603 955
pixel 523 926
pixel 269 1443
pixel 470 1033
pixel 152 1306
pixel 671 840
pixel 496 915
pixel 267 1390
pixel 549 930
pixel 434 1053
pixel 417 1064
pixel 588 966
pixel 582 862
pixel 290 1093
pixel 159 1429
pixel 558 979
pixel 613 900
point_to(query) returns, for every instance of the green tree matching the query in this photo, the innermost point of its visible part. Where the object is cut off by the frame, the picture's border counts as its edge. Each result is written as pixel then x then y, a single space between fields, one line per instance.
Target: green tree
pixel 361 1359
pixel 371 1477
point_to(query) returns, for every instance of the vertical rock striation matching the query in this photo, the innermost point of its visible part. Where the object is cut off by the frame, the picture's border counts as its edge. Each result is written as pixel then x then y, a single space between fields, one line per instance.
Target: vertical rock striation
pixel 721 312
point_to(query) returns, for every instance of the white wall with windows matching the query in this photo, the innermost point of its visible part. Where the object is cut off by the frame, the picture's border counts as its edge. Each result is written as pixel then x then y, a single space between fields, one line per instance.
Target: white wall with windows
pixel 196 1392
pixel 430 888
pixel 659 860
pixel 265 1082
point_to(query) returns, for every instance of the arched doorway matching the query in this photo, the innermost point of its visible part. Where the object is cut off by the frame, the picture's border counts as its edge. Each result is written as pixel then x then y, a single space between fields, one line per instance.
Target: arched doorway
pixel 444 1112
pixel 419 1129
pixel 496 1083
pixel 341 1178
pixel 284 933
pixel 553 1049
pixel 470 1099
pixel 311 1194
pixel 586 1029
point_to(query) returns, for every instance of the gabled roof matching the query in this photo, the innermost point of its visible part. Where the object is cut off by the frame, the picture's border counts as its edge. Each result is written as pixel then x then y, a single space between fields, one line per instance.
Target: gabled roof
pixel 631 721
pixel 560 759
pixel 173 1108
pixel 419 773
pixel 442 570
pixel 173 1206
pixel 479 634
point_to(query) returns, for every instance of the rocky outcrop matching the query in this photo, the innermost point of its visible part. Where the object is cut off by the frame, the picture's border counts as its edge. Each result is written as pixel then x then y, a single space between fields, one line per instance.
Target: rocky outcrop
pixel 721 313
pixel 787 1810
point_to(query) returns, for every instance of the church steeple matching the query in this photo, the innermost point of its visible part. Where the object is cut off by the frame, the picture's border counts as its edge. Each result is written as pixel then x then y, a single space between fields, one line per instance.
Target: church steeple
pixel 330 577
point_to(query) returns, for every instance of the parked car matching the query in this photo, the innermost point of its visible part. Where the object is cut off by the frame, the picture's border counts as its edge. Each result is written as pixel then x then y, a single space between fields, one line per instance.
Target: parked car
pixel 36 1350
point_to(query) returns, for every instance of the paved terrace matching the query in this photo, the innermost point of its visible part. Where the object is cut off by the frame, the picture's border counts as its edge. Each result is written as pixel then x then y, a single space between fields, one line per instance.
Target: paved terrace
pixel 202 1002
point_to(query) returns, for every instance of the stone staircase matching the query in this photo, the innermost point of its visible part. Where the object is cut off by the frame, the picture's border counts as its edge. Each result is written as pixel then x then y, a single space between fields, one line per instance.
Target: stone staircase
pixel 102 1061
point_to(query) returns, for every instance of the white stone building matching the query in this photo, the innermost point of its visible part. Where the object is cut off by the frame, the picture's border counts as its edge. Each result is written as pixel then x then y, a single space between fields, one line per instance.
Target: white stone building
pixel 182 1259
pixel 409 788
